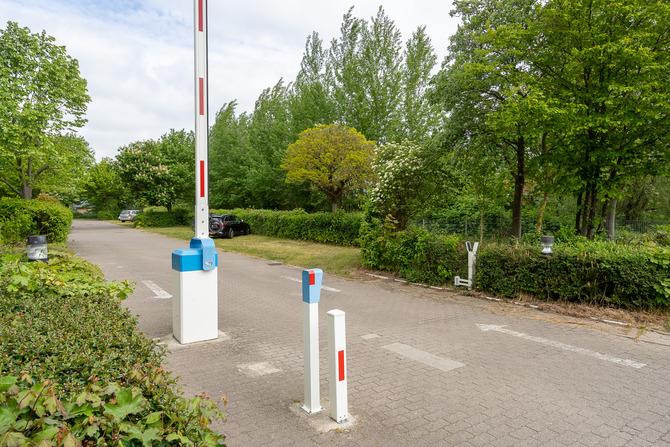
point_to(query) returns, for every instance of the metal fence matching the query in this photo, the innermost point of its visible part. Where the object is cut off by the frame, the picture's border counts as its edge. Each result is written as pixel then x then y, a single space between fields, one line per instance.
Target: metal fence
pixel 500 227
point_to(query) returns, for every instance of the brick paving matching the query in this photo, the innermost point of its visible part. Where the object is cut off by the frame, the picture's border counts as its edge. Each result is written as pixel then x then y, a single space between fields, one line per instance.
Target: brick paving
pixel 510 391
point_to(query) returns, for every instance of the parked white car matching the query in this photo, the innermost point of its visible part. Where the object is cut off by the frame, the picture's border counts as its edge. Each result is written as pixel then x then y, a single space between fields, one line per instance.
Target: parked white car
pixel 127 215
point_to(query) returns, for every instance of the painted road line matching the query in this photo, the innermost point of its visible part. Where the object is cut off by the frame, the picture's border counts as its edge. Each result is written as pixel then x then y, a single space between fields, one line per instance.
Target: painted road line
pixel 160 293
pixel 330 289
pixel 258 369
pixel 559 345
pixel 441 363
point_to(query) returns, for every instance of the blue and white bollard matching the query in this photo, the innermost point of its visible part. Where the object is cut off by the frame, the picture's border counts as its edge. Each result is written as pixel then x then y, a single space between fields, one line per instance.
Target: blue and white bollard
pixel 311 293
pixel 194 292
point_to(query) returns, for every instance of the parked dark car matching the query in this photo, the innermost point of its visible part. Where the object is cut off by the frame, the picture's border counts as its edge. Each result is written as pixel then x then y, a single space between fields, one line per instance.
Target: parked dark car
pixel 227 225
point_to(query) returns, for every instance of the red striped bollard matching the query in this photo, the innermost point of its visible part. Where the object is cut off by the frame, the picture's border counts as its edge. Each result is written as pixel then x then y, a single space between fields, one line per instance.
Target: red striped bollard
pixel 337 367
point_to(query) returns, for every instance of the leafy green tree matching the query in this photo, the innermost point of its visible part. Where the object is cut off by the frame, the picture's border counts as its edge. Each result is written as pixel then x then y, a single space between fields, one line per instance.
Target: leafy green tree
pixel 43 100
pixel 102 187
pixel 176 149
pixel 145 174
pixel 334 159
pixel 230 160
pixel 604 67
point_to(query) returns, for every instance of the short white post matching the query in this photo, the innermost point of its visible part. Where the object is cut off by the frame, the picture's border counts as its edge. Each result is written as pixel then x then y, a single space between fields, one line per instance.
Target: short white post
pixel 472 259
pixel 311 291
pixel 337 366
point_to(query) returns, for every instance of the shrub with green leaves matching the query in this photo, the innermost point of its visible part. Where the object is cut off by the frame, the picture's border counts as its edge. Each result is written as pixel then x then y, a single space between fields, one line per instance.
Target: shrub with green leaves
pixel 338 228
pixel 162 219
pixel 601 273
pixel 416 254
pixel 20 218
pixel 74 369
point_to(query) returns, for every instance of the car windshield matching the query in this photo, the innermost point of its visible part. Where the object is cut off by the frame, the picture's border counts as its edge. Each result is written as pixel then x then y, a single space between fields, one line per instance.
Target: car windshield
pixel 125 211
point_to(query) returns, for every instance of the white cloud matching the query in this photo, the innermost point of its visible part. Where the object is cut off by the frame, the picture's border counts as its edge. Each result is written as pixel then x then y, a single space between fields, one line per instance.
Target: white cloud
pixel 137 56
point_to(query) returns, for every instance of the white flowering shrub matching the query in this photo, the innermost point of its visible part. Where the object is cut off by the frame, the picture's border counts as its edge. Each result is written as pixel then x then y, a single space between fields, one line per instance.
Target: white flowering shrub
pixel 400 170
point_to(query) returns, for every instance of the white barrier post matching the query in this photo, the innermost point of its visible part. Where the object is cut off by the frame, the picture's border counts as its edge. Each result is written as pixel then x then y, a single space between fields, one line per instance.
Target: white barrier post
pixel 311 292
pixel 194 277
pixel 337 367
pixel 472 259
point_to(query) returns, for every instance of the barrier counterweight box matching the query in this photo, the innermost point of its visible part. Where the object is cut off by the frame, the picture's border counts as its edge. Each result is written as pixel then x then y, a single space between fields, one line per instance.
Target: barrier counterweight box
pixel 194 293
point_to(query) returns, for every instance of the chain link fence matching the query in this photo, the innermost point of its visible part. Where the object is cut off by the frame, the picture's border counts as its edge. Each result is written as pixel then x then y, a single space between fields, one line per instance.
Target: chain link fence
pixel 500 227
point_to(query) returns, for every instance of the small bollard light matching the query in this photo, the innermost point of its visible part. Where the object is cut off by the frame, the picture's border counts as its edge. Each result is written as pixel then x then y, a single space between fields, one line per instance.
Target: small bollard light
pixel 37 248
pixel 547 242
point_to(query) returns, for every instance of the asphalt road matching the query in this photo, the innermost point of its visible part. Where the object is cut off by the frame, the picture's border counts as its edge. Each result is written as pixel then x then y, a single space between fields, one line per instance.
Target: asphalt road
pixel 424 366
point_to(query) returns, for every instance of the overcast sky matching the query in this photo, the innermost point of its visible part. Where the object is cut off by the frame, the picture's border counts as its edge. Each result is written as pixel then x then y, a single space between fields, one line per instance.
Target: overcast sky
pixel 137 55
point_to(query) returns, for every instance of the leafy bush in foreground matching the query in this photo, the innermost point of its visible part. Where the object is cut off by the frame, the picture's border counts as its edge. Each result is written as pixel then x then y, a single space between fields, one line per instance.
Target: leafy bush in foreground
pixel 74 370
pixel 20 218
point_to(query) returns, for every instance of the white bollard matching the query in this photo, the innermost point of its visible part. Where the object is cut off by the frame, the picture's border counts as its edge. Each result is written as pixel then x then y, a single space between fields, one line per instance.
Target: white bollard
pixel 195 315
pixel 311 292
pixel 337 367
pixel 472 259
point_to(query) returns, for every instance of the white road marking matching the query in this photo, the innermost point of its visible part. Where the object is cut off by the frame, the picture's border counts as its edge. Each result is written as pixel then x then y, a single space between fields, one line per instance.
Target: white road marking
pixel 330 289
pixel 257 369
pixel 441 363
pixel 559 345
pixel 160 293
pixel 369 336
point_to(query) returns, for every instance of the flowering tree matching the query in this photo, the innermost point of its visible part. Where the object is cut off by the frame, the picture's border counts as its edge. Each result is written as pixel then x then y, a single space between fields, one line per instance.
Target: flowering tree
pixel 145 175
pixel 401 188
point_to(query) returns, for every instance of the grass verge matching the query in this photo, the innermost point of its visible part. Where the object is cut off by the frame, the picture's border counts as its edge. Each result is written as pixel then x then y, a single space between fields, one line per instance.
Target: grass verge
pixel 346 262
pixel 341 261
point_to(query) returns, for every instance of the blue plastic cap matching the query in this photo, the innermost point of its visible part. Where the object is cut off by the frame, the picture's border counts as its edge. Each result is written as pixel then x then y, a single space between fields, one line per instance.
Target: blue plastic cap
pixel 311 285
pixel 192 259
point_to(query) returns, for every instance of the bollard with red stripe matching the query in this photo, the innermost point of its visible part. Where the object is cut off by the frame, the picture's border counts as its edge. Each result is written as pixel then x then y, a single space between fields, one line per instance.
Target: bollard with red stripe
pixel 337 367
pixel 311 293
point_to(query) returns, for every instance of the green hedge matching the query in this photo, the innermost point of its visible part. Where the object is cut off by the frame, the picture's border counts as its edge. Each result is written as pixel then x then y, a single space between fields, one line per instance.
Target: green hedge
pixel 605 273
pixel 328 228
pixel 21 218
pixel 177 217
pixel 416 254
pixel 75 371
pixel 595 272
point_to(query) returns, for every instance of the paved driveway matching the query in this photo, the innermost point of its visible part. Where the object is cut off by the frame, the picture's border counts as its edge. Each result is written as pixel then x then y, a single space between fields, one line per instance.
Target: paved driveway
pixel 425 366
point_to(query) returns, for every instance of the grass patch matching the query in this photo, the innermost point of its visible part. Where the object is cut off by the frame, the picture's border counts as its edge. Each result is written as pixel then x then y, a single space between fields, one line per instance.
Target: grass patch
pixel 341 261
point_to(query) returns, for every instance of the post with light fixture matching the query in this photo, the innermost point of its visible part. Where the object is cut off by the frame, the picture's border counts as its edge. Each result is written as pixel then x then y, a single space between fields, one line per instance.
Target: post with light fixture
pixel 37 248
pixel 546 242
pixel 194 283
pixel 472 259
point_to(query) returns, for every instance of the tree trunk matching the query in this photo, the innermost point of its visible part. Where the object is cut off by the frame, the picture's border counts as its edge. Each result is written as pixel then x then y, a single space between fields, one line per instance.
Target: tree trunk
pixel 579 213
pixel 542 209
pixel 481 226
pixel 611 218
pixel 519 184
pixel 333 206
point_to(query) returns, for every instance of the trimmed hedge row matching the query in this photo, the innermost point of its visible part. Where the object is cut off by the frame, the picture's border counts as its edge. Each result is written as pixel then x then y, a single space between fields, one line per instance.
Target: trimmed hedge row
pixel 581 271
pixel 75 371
pixel 177 217
pixel 20 218
pixel 328 228
pixel 596 272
